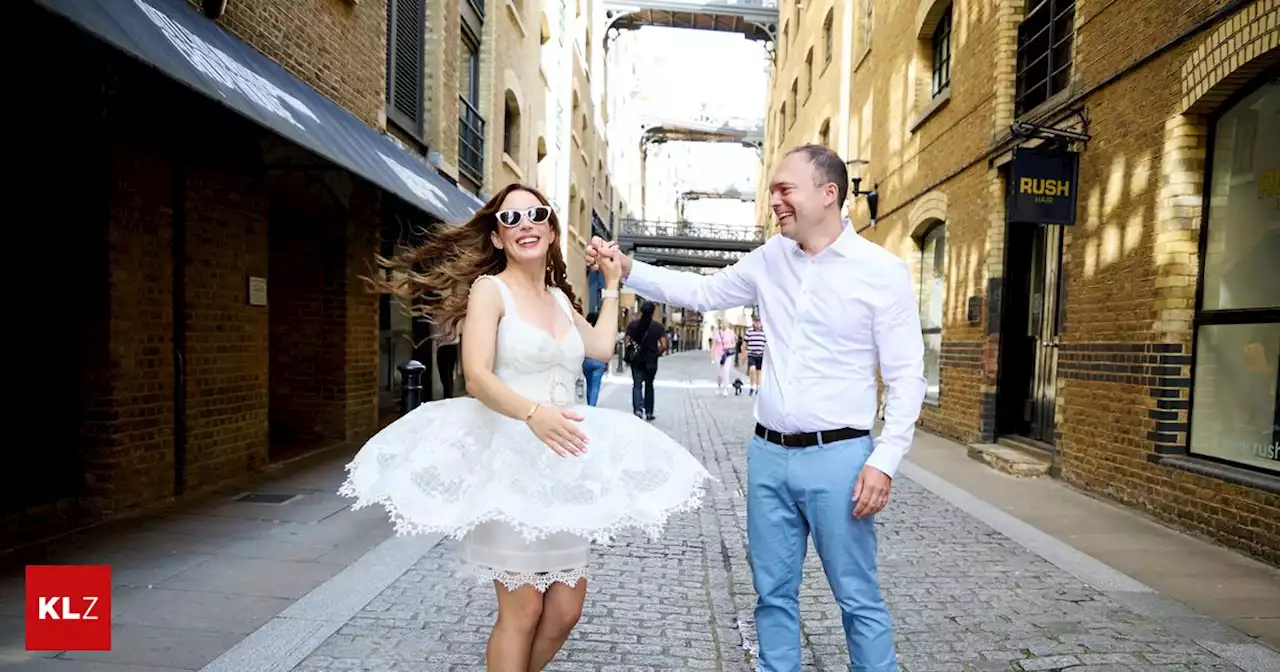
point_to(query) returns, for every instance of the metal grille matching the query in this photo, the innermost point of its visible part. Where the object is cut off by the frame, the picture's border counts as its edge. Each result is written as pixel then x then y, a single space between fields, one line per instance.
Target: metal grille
pixel 406 27
pixel 265 498
pixel 470 141
pixel 1045 39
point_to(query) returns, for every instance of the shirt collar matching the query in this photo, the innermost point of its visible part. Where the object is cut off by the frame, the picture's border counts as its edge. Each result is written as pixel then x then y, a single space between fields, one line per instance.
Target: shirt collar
pixel 844 244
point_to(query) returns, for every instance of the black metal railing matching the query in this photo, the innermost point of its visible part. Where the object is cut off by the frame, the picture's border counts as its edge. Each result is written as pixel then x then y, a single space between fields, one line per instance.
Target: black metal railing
pixel 470 141
pixel 639 227
pixel 724 255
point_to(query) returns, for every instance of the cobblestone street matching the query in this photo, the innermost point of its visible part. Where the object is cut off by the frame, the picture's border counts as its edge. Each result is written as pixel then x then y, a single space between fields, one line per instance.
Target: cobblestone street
pixel 962 595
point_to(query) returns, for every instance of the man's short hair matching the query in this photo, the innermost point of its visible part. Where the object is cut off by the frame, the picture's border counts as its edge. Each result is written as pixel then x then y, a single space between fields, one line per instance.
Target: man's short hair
pixel 828 168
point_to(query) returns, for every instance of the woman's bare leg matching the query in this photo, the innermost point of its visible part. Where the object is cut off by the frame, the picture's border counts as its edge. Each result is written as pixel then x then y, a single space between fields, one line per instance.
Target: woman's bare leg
pixel 519 611
pixel 561 609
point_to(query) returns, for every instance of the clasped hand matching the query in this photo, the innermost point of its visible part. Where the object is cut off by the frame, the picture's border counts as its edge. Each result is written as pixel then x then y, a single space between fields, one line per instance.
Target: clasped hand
pixel 558 429
pixel 606 256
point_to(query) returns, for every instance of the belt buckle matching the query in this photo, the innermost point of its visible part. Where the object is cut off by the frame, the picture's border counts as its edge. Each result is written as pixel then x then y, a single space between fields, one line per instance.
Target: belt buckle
pixel 782 440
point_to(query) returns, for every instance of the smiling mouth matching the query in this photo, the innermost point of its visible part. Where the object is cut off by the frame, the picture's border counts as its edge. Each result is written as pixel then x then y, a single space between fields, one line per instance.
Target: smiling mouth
pixel 528 241
pixel 785 216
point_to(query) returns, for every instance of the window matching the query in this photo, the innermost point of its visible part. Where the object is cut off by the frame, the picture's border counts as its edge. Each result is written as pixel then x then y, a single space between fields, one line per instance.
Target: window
pixel 511 126
pixel 1235 411
pixel 782 123
pixel 786 33
pixel 808 74
pixel 1045 39
pixel 828 39
pixel 470 88
pixel 406 29
pixel 795 110
pixel 470 124
pixel 824 133
pixel 933 255
pixel 942 54
pixel 868 21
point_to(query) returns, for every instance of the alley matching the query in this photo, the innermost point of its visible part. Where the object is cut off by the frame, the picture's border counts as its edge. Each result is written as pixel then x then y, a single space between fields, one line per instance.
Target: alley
pixel 964 596
pixel 309 587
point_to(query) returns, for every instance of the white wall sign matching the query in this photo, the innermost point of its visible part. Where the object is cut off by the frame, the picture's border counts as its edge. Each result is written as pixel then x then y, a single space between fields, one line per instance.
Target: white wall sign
pixel 257 291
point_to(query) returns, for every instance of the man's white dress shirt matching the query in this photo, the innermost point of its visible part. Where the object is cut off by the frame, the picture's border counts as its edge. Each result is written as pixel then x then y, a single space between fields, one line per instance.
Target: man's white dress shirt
pixel 829 317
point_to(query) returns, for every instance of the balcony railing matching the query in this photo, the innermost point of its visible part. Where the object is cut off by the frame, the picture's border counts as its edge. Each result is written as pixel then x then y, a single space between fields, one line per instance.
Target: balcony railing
pixel 635 227
pixel 470 142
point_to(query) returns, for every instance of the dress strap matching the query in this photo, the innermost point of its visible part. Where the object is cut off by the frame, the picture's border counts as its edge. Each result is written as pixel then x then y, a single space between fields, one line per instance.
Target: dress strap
pixel 564 304
pixel 508 299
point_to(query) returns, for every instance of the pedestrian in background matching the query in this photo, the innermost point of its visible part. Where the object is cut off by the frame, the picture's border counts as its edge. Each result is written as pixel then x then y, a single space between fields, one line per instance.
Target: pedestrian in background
pixel 722 352
pixel 755 354
pixel 593 369
pixel 650 339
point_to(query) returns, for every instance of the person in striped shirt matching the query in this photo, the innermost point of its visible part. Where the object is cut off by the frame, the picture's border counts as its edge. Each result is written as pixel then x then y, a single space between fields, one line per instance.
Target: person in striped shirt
pixel 755 354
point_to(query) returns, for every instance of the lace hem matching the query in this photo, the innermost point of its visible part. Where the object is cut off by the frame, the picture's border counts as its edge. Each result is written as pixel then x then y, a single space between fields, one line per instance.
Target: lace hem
pixel 605 535
pixel 540 581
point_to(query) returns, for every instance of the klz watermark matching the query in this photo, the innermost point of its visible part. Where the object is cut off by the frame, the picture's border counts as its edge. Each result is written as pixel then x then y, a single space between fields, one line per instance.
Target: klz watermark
pixel 68 608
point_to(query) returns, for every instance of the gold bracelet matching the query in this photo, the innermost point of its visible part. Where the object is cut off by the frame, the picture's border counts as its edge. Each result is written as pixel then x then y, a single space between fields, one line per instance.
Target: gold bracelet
pixel 529 416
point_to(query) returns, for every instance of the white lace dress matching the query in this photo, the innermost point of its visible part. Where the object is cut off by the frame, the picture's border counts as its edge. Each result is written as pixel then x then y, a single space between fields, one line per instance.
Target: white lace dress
pixel 525 516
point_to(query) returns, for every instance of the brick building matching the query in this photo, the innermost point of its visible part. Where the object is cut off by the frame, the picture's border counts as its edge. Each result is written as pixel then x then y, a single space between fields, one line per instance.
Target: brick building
pixel 210 190
pixel 1133 344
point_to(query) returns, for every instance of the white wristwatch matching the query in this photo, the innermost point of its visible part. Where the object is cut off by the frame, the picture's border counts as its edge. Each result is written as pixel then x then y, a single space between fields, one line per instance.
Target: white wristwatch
pixel 608 293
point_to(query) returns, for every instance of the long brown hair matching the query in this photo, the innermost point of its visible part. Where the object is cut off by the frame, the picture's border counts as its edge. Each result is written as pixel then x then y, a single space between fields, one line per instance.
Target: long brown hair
pixel 435 278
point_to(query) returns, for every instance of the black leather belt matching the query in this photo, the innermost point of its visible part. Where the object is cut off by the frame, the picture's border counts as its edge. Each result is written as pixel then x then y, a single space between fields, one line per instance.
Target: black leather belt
pixel 809 439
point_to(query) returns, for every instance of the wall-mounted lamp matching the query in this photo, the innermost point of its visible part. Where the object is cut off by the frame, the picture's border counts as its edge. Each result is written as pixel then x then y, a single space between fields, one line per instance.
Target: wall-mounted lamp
pixel 873 198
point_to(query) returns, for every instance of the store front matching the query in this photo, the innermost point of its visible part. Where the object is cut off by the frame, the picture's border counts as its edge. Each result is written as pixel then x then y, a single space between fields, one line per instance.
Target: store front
pixel 1235 403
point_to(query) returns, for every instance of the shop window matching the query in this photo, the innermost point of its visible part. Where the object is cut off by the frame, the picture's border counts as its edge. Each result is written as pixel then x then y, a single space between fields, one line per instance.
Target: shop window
pixel 1235 410
pixel 933 255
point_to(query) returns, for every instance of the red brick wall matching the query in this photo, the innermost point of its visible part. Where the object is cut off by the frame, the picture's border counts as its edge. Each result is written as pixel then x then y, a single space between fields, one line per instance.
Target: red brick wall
pixel 300 366
pixel 226 340
pixel 360 347
pixel 128 439
pixel 324 330
pixel 337 46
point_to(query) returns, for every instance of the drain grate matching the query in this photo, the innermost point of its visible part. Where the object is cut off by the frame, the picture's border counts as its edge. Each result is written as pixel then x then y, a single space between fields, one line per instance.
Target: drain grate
pixel 265 498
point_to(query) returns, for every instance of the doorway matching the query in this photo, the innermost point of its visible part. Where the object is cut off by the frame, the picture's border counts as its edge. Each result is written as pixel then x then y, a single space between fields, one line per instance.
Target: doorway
pixel 1030 326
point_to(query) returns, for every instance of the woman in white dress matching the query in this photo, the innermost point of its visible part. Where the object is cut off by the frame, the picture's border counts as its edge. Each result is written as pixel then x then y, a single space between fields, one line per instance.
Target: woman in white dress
pixel 522 472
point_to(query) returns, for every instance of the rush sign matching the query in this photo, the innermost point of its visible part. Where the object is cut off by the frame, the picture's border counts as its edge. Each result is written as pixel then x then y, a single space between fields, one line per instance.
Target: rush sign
pixel 1042 186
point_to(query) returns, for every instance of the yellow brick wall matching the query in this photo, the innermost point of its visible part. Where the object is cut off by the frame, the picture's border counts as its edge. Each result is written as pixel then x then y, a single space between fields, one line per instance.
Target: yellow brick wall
pixel 1130 262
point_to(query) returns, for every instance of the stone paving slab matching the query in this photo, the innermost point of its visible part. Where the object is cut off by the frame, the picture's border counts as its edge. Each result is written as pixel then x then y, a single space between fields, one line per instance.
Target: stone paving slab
pixel 962 595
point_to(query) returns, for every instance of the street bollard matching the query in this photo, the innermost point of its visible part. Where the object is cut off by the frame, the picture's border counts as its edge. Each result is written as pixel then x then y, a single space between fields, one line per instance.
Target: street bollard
pixel 411 373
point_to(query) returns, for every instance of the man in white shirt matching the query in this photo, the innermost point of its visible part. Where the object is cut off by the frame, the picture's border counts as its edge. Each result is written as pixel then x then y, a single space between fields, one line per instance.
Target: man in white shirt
pixel 835 306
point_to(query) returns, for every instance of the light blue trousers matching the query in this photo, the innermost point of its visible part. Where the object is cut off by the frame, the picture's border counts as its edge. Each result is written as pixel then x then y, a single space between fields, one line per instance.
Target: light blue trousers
pixel 792 492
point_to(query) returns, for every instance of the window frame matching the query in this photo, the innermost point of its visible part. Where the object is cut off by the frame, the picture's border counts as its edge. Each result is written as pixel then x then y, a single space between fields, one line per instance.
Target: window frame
pixel 1030 95
pixel 1202 317
pixel 940 71
pixel 936 231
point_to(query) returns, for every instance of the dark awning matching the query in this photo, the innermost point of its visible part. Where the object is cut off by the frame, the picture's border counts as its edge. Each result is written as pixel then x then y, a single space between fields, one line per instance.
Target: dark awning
pixel 172 36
